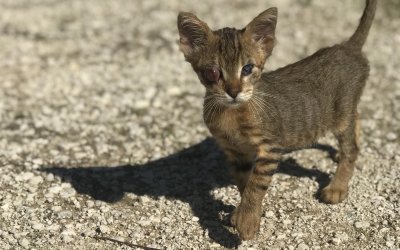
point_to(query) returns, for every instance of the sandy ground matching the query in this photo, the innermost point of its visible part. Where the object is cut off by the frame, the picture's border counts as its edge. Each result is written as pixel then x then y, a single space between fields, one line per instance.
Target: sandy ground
pixel 101 131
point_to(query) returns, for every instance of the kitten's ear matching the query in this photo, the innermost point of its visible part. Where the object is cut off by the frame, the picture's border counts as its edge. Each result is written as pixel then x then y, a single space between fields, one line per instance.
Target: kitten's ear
pixel 262 29
pixel 193 33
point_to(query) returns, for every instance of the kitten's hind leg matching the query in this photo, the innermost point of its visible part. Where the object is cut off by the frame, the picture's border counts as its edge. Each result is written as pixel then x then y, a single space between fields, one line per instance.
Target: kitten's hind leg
pixel 337 189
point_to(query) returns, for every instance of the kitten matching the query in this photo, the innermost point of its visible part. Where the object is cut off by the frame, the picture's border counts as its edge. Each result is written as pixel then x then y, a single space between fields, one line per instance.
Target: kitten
pixel 254 116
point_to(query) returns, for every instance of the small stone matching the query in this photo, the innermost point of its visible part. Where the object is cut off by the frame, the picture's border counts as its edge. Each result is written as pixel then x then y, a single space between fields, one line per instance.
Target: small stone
pixel 55 189
pixel 142 104
pixel 50 177
pixel 389 243
pixel 89 203
pixel 24 243
pixel 287 222
pixel 174 91
pixel 144 223
pixel 53 227
pixel 195 219
pixel 215 245
pixel 391 136
pixel 38 226
pixel 269 214
pixel 25 176
pixel 361 224
pixel 336 241
pixel 68 235
pixel 67 193
pixel 32 189
pixel 156 219
pixel 281 236
pixel 104 229
pixel 36 180
pixel 302 246
pixel 56 208
pixel 144 199
pixel 65 214
pixel 341 236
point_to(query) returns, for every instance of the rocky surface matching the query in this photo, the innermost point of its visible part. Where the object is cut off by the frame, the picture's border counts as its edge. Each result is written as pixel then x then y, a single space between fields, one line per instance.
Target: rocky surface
pixel 101 133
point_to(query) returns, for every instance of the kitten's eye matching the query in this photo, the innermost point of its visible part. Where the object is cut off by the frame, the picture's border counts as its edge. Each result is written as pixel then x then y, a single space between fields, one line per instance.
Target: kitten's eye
pixel 212 74
pixel 247 69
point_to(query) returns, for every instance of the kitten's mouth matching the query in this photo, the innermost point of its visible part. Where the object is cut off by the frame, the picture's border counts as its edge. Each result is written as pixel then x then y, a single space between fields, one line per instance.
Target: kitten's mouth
pixel 237 101
pixel 234 102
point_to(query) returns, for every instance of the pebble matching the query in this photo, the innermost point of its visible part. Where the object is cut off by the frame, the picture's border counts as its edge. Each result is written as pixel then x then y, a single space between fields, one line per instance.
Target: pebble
pixel 36 180
pixel 89 203
pixel 54 227
pixel 142 104
pixel 269 214
pixel 55 189
pixel 67 193
pixel 25 176
pixel 287 222
pixel 65 214
pixel 145 223
pixel 56 208
pixel 68 235
pixel 144 199
pixel 361 224
pixel 24 243
pixel 302 246
pixel 104 229
pixel 38 226
pixel 391 136
pixel 50 177
pixel 389 243
pixel 195 219
pixel 336 241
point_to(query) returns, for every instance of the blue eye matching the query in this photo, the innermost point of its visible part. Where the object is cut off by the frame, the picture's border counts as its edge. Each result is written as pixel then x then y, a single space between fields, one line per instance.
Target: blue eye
pixel 247 69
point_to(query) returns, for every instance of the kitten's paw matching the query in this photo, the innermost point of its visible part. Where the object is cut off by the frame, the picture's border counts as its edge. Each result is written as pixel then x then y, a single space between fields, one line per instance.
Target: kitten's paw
pixel 333 195
pixel 246 222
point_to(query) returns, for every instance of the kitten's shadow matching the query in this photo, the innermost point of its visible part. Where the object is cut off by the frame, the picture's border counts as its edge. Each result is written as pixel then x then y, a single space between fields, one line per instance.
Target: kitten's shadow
pixel 189 175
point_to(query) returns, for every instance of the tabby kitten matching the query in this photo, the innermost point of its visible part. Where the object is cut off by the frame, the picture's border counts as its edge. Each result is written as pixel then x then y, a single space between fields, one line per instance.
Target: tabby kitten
pixel 254 115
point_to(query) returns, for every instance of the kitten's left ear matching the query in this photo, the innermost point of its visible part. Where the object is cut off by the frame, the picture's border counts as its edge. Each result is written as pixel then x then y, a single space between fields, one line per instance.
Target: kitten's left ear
pixel 262 29
pixel 193 33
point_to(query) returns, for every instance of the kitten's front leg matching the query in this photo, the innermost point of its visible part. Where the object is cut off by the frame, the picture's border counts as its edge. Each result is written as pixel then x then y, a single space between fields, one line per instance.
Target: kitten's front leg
pixel 240 165
pixel 246 217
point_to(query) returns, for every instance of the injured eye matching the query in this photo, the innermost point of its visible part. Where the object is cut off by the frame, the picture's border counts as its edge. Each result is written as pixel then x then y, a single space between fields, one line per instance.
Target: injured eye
pixel 212 74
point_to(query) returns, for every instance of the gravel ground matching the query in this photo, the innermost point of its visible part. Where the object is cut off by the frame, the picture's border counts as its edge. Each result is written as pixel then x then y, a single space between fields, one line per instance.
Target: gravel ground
pixel 101 131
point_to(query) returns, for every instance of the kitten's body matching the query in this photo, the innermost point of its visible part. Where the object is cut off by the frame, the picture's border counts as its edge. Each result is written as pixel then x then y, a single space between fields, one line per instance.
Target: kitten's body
pixel 253 116
pixel 299 103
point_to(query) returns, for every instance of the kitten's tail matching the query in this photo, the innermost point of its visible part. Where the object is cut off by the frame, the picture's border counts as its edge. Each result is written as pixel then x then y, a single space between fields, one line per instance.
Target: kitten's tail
pixel 359 37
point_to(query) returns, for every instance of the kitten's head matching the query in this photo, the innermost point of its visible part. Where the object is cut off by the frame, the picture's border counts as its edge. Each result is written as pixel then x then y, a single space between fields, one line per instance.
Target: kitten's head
pixel 228 61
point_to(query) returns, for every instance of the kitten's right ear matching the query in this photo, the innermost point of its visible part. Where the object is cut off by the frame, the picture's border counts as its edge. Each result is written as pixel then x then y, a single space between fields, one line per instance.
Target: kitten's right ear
pixel 193 33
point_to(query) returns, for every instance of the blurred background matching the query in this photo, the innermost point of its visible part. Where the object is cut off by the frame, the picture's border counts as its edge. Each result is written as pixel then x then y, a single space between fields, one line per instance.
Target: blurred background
pixel 102 83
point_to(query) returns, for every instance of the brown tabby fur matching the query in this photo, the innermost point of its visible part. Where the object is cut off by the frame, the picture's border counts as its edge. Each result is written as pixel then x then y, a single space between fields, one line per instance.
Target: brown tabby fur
pixel 254 117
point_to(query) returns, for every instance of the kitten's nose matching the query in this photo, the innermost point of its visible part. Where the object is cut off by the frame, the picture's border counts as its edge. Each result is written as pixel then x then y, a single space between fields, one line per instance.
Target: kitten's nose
pixel 233 92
